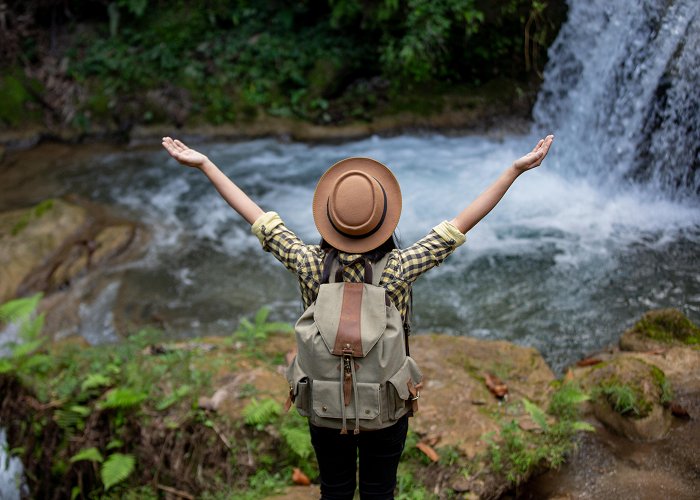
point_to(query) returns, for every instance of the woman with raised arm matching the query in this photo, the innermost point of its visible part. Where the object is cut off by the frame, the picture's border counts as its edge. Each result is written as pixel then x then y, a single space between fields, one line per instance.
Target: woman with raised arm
pixel 356 208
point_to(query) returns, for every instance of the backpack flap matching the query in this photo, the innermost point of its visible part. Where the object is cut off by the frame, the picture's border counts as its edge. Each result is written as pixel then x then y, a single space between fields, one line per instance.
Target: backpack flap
pixel 338 307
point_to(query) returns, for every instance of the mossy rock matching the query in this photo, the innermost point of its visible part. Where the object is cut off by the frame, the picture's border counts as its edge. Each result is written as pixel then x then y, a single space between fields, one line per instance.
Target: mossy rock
pixel 16 93
pixel 631 397
pixel 660 328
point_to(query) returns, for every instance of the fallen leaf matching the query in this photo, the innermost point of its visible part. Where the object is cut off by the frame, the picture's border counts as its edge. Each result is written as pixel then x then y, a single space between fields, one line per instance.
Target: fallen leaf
pixel 569 377
pixel 494 384
pixel 588 362
pixel 679 411
pixel 428 450
pixel 298 477
pixel 289 356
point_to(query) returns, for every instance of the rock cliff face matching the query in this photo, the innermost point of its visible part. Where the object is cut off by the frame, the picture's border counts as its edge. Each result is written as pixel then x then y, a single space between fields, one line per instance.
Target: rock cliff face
pixel 59 247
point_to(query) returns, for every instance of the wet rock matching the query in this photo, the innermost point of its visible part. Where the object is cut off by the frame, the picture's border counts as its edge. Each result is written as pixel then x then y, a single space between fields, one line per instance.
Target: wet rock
pixel 631 397
pixel 29 238
pixel 62 247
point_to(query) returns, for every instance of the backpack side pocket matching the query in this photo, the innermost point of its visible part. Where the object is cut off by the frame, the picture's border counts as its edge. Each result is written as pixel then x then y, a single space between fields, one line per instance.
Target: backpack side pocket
pixel 403 389
pixel 299 388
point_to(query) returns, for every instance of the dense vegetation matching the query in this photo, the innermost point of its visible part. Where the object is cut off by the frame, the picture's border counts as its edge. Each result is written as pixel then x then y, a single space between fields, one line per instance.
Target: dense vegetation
pixel 327 61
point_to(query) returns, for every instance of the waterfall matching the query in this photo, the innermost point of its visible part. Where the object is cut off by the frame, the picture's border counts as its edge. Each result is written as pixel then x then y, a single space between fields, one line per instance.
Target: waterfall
pixel 622 92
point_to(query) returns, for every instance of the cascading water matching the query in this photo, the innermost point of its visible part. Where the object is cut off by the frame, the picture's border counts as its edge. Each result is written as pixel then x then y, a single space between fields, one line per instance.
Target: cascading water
pixel 622 91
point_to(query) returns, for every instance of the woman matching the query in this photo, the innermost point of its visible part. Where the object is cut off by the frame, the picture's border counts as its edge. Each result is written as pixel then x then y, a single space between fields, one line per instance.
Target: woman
pixel 356 208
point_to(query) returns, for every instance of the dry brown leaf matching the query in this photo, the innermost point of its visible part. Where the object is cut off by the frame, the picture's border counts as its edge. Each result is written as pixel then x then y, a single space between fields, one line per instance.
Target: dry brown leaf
pixel 428 450
pixel 494 384
pixel 298 477
pixel 588 362
pixel 289 355
pixel 679 411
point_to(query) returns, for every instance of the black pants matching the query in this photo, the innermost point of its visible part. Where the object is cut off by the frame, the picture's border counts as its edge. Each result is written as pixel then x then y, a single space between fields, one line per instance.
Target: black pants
pixel 380 452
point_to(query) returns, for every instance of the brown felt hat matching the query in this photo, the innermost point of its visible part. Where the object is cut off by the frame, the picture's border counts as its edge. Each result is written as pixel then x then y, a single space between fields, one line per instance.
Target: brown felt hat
pixel 357 205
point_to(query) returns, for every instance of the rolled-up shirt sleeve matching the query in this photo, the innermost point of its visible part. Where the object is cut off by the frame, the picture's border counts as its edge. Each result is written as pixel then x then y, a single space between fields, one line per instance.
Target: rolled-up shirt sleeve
pixel 278 239
pixel 430 251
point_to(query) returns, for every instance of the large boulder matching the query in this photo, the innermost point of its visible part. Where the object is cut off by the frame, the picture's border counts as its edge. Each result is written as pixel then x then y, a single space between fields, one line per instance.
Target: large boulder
pixel 631 397
pixel 59 247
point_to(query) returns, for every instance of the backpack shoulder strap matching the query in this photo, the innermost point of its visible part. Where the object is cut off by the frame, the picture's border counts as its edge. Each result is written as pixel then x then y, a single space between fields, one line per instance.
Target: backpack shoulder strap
pixel 378 268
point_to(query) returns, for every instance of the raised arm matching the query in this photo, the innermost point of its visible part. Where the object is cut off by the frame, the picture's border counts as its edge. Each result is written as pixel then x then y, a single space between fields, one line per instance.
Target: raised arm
pixel 233 195
pixel 484 203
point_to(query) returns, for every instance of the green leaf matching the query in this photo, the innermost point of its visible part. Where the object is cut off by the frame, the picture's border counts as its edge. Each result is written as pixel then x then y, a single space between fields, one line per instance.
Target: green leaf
pixel 21 350
pixel 122 397
pixel 538 416
pixel 298 440
pixel 91 454
pixel 261 413
pixel 31 328
pixel 19 309
pixel 95 380
pixel 116 469
pixel 114 443
pixel 6 366
pixel 583 426
pixel 261 316
pixel 173 398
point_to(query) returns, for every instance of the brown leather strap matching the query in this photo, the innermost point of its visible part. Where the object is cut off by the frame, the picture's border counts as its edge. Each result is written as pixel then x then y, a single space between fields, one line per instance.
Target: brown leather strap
pixel 348 340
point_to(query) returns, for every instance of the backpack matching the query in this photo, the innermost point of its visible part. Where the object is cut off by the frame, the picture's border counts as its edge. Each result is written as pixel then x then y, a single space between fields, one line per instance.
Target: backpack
pixel 352 366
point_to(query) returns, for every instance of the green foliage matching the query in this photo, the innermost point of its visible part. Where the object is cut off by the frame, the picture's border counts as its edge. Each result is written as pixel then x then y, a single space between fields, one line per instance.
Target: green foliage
pixel 623 398
pixel 92 454
pixel 116 469
pixel 407 487
pixel 258 330
pixel 261 413
pixel 536 413
pixel 122 397
pixel 515 452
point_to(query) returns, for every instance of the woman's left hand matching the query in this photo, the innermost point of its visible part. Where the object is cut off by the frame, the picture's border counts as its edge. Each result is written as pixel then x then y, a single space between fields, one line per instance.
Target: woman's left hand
pixel 534 158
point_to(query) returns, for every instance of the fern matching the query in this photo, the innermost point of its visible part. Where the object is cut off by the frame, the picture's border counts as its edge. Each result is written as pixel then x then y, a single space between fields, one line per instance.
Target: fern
pixel 116 469
pixel 259 328
pixel 298 440
pixel 91 454
pixel 173 398
pixel 261 413
pixel 536 414
pixel 95 380
pixel 122 397
pixel 19 309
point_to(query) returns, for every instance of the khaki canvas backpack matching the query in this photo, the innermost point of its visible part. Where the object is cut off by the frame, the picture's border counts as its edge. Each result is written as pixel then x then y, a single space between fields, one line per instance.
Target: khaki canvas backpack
pixel 352 367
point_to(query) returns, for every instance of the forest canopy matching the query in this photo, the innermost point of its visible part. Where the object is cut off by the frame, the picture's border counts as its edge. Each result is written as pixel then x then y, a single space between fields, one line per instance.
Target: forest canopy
pixel 323 60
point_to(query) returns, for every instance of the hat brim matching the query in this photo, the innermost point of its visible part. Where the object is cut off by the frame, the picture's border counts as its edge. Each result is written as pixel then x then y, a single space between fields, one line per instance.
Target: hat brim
pixel 323 190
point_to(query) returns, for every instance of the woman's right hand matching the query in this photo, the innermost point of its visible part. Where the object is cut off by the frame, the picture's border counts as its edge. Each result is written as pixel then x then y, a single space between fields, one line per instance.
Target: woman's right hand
pixel 183 154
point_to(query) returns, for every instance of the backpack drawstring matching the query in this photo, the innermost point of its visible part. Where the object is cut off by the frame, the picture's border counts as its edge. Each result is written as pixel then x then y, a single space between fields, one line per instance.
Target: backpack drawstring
pixel 357 399
pixel 344 430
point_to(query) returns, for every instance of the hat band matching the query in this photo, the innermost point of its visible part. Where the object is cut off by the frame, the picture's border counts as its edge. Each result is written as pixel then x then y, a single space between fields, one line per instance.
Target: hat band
pixel 359 236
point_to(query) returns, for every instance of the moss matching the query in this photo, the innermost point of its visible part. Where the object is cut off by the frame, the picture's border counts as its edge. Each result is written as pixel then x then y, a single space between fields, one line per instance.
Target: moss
pixel 33 213
pixel 16 92
pixel 662 383
pixel 668 325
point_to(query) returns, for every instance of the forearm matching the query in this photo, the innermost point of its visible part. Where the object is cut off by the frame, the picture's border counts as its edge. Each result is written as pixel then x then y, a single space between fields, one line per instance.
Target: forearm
pixel 233 195
pixel 484 203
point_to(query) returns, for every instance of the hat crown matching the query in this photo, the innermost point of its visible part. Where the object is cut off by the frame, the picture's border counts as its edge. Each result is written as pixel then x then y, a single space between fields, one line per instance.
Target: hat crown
pixel 357 203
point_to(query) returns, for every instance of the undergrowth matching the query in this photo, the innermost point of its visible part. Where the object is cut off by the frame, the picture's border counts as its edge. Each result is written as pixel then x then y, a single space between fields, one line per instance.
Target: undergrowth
pixel 106 421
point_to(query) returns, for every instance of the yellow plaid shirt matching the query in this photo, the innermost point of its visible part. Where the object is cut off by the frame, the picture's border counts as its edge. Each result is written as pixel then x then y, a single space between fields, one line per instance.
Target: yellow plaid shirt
pixel 402 268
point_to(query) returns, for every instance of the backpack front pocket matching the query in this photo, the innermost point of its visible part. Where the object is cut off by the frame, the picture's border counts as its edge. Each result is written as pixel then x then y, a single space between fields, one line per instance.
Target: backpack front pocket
pixel 327 401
